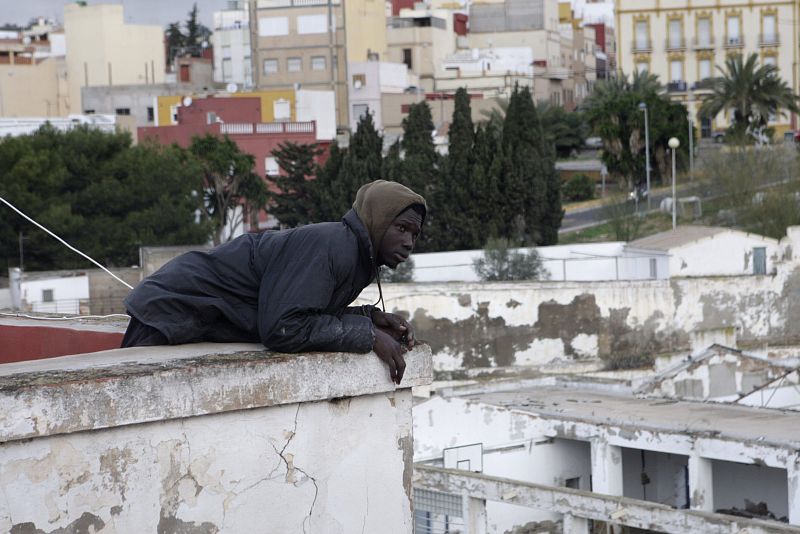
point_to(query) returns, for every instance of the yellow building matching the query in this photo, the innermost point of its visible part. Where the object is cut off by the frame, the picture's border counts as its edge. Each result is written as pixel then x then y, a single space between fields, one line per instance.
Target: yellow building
pixel 34 88
pixel 684 41
pixel 167 106
pixel 103 50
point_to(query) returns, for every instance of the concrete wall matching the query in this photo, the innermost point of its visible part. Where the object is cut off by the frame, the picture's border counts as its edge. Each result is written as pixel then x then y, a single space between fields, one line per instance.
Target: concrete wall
pixel 34 90
pixel 725 254
pixel 206 438
pixel 473 325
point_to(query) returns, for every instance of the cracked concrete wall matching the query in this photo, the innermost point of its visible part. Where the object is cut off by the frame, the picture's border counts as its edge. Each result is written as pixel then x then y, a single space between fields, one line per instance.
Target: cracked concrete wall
pixel 483 325
pixel 332 467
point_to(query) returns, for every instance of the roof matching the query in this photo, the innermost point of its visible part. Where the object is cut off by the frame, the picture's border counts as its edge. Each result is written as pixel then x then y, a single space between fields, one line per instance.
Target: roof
pixel 682 235
pixel 735 422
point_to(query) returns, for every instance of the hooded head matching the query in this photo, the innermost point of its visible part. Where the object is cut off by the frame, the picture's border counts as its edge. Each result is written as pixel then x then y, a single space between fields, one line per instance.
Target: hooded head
pixel 379 202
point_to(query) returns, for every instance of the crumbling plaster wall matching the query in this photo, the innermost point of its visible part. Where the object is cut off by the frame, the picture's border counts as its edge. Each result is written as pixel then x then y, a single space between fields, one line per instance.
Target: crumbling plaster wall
pixel 478 325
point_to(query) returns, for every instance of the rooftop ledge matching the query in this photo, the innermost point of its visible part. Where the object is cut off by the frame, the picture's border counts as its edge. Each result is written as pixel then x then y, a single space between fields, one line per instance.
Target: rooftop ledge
pixel 145 384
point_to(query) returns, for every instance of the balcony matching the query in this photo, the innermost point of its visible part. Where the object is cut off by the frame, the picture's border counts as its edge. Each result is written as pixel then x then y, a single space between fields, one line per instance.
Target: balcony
pixel 675 44
pixel 642 45
pixel 677 86
pixel 703 42
pixel 769 39
pixel 734 42
pixel 248 128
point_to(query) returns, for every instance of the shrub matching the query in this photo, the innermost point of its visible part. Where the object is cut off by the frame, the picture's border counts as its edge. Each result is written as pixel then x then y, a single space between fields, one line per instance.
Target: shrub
pixel 500 263
pixel 404 272
pixel 578 187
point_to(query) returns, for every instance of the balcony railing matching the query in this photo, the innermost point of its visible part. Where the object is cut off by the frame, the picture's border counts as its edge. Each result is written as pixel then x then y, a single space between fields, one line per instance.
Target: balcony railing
pixel 734 42
pixel 675 44
pixel 640 45
pixel 677 86
pixel 249 128
pixel 705 42
pixel 769 39
pixel 269 4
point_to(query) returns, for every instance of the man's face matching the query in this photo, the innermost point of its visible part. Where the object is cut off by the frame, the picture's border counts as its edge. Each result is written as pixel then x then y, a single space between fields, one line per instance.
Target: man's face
pixel 398 242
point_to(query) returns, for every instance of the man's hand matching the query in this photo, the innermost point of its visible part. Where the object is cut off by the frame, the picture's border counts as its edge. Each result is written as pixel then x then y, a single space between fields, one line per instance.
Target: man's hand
pixel 394 325
pixel 391 353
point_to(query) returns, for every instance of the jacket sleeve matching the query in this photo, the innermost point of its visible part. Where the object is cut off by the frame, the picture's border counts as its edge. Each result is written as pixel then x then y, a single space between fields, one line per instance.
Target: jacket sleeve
pixel 292 314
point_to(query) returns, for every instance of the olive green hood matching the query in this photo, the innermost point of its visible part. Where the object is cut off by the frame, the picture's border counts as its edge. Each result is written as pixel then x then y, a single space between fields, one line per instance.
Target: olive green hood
pixel 378 203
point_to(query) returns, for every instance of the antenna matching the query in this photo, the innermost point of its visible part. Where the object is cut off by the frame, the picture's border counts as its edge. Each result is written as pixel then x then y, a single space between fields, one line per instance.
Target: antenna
pixel 231 87
pixel 187 101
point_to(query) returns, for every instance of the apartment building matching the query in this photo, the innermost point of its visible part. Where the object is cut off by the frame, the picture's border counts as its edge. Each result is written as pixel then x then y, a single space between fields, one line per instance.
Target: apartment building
pixel 309 42
pixel 102 49
pixel 231 41
pixel 684 42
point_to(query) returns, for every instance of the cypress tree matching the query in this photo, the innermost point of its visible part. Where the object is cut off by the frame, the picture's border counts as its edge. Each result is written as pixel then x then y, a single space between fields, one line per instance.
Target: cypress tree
pixel 458 195
pixel 324 187
pixel 362 162
pixel 293 202
pixel 392 164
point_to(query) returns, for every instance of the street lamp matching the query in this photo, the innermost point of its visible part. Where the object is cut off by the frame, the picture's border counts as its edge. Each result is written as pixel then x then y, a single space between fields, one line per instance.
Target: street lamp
pixel 673 145
pixel 643 107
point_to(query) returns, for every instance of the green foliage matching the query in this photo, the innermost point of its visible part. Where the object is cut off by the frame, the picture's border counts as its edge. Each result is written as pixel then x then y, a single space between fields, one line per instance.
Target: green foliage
pixel 403 274
pixel 228 183
pixel 578 187
pixel 499 262
pixel 621 214
pixel 98 193
pixel 566 130
pixel 612 112
pixel 188 42
pixel 753 92
pixel 293 201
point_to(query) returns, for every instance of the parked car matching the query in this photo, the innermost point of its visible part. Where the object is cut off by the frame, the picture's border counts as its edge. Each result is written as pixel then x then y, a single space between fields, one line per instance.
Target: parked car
pixel 718 136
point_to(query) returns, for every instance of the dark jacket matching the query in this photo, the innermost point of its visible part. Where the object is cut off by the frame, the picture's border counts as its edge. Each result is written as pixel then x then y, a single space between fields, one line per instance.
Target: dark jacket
pixel 288 289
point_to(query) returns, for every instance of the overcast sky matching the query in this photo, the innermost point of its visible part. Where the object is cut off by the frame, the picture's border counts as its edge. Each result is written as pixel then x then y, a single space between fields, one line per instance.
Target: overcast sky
pixel 160 12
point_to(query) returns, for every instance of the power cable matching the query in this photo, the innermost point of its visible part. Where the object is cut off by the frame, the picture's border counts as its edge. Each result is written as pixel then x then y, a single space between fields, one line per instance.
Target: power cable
pixel 13 207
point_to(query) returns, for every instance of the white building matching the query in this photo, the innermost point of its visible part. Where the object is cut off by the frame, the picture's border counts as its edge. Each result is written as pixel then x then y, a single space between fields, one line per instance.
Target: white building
pixel 369 81
pixel 28 125
pixel 55 292
pixel 563 444
pixel 709 251
pixel 231 40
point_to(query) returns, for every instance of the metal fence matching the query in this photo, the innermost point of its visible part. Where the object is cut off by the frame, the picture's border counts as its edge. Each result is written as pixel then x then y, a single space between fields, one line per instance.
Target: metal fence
pixel 438 513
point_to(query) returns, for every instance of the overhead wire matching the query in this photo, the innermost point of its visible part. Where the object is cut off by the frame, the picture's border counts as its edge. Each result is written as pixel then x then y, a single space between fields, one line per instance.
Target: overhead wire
pixel 13 207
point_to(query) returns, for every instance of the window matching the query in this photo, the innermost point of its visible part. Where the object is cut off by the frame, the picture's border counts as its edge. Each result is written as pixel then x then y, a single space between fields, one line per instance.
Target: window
pixel 282 110
pixel 770 60
pixel 734 37
pixel 704 69
pixel 653 268
pixel 359 110
pixel 359 80
pixel 122 111
pixel 770 34
pixel 88 112
pixel 675 33
pixel 704 31
pixel 271 166
pixel 294 64
pixel 641 67
pixel 47 295
pixel 173 113
pixel 227 69
pixel 273 26
pixel 226 51
pixel 574 483
pixel 151 117
pixel 407 58
pixel 307 24
pixel 211 117
pixel 675 70
pixel 642 35
pixel 318 63
pixel 270 66
pixel 759 260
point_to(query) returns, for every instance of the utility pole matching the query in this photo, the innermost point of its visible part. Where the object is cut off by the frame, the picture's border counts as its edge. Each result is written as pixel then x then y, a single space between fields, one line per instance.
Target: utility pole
pixel 643 107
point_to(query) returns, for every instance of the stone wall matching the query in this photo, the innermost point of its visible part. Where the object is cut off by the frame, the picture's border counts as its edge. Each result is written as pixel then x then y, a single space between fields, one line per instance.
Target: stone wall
pixel 206 438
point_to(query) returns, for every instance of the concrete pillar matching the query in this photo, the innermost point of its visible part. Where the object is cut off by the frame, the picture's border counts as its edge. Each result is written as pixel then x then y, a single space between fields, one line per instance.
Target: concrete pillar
pixel 474 515
pixel 793 479
pixel 701 484
pixel 606 468
pixel 575 525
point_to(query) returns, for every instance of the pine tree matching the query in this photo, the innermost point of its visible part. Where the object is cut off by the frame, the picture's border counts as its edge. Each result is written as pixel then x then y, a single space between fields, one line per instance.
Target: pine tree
pixel 324 187
pixel 392 164
pixel 293 202
pixel 362 162
pixel 420 169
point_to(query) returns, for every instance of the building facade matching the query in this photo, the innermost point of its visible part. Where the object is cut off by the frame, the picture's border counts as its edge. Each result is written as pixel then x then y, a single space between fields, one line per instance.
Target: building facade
pixel 231 41
pixel 103 50
pixel 685 42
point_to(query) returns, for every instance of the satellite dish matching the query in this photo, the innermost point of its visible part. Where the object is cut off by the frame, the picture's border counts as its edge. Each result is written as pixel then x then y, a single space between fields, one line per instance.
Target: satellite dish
pixel 357 84
pixel 187 101
pixel 232 87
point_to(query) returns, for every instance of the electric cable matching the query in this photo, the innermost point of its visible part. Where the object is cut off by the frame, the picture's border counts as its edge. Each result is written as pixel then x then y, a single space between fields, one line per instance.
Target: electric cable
pixel 13 207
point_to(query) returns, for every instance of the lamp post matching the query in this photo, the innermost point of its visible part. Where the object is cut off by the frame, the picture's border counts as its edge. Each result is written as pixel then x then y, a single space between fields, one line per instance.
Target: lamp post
pixel 674 143
pixel 643 107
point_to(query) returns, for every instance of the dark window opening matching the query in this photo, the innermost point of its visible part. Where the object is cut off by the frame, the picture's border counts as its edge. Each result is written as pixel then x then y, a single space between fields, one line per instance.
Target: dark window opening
pixel 123 111
pixel 151 117
pixel 407 58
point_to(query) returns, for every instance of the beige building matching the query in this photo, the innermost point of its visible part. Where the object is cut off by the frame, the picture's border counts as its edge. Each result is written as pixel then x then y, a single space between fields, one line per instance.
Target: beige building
pixel 307 43
pixel 685 41
pixel 103 50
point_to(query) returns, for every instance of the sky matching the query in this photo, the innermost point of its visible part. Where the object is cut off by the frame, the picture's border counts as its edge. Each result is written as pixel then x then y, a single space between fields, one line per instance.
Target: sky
pixel 160 12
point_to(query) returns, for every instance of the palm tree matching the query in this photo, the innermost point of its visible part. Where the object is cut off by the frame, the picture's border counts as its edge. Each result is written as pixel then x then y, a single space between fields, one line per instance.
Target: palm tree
pixel 752 92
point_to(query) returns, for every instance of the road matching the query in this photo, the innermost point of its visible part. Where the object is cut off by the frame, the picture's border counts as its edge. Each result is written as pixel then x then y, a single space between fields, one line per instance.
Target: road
pixel 588 217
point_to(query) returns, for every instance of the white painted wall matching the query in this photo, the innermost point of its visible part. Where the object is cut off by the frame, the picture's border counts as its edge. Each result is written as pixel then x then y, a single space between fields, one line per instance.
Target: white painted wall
pixel 735 482
pixel 318 106
pixel 231 41
pixel 68 291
